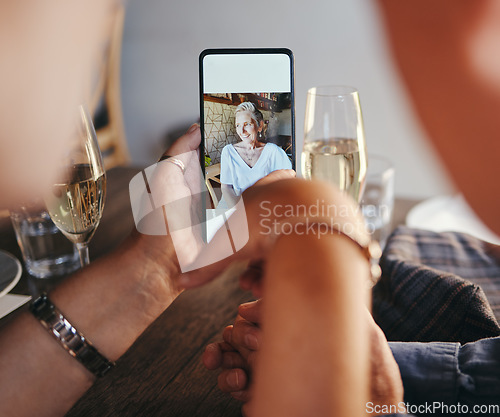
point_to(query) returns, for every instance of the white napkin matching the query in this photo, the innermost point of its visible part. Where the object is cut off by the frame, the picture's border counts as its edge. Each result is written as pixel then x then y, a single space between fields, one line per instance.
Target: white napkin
pixel 449 214
pixel 11 302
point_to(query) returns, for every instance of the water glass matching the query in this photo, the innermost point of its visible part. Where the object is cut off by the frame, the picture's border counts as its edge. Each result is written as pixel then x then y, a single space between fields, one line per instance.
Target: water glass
pixel 377 203
pixel 46 251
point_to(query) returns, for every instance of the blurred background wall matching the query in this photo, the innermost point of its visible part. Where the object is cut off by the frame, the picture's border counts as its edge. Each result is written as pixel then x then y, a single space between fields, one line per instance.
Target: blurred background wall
pixel 334 42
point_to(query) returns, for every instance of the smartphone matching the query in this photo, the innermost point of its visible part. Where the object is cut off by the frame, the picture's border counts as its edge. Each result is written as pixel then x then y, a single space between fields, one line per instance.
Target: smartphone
pixel 247 115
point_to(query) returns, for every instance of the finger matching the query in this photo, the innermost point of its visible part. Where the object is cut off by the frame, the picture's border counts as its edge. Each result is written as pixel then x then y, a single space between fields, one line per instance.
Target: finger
pixel 226 347
pixel 185 149
pixel 246 335
pixel 232 380
pixel 251 311
pixel 232 360
pixel 170 191
pixel 212 356
pixel 190 141
pixel 227 334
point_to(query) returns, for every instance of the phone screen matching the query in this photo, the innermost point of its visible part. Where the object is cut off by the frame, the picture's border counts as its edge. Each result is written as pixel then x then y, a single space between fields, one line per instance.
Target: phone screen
pixel 247 119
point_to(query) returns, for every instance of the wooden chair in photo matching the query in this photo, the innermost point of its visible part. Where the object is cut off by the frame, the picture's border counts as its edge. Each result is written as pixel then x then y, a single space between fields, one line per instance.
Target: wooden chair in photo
pixel 212 174
pixel 105 99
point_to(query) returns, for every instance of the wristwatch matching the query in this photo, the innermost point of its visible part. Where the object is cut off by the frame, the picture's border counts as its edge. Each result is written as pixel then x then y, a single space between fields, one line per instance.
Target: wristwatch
pixel 74 342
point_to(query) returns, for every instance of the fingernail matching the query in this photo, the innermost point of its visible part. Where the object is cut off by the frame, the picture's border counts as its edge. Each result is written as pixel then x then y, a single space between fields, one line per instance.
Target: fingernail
pixel 227 334
pixel 193 127
pixel 251 342
pixel 232 379
pixel 212 347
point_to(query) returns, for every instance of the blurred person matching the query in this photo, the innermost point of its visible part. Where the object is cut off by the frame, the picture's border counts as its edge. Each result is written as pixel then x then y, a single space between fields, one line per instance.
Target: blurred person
pixel 113 305
pixel 116 297
pixel 48 54
pixel 432 373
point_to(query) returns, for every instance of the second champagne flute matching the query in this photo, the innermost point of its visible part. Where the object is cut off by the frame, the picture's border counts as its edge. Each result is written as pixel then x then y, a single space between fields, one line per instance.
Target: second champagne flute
pixel 76 201
pixel 334 141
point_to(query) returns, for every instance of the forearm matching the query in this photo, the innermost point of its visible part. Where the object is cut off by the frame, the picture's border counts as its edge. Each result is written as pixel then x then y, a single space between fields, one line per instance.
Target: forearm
pixel 111 302
pixel 319 360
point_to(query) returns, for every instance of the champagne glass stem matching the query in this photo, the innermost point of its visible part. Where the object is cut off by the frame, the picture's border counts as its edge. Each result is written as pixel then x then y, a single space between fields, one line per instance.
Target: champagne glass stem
pixel 83 251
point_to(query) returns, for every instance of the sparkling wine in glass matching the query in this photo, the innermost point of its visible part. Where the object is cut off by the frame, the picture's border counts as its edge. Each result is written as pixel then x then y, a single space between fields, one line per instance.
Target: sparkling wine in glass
pixel 334 141
pixel 76 200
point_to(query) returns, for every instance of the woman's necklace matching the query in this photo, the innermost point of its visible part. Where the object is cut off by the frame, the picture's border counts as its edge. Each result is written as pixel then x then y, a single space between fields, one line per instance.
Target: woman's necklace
pixel 249 154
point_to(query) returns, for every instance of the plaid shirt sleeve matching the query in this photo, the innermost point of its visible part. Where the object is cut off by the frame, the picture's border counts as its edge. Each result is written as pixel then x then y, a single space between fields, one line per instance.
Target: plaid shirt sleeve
pixel 442 289
pixel 437 287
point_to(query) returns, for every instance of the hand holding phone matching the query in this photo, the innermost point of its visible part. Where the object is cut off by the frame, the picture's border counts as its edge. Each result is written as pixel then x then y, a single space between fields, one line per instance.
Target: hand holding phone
pixel 247 126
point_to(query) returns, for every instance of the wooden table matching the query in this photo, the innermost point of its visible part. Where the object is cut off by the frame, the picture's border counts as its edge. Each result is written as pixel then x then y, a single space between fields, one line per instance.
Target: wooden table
pixel 162 373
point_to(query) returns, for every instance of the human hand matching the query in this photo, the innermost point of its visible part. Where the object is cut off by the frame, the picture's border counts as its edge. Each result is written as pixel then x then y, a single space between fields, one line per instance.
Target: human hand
pixel 263 213
pixel 386 385
pixel 237 354
pixel 166 203
pixel 134 284
pixel 279 174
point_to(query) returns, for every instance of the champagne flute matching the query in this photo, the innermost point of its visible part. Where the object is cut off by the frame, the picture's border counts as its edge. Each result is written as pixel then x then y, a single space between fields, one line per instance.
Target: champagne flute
pixel 76 200
pixel 334 142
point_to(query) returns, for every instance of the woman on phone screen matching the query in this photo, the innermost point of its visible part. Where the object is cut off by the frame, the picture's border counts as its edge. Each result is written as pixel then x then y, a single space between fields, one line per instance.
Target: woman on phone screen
pixel 246 162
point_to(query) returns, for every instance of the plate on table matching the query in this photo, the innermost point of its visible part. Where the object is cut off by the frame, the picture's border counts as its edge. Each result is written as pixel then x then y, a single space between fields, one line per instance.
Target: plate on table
pixel 10 272
pixel 449 214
